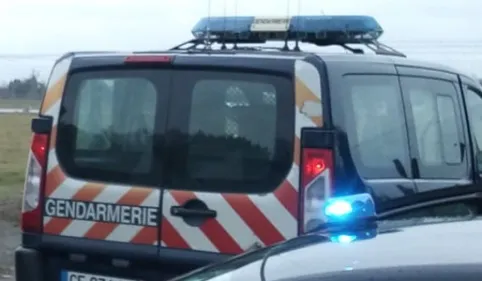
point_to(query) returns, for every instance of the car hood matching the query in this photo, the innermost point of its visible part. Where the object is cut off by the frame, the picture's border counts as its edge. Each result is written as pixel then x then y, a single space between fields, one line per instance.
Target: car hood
pixel 422 245
pixel 430 244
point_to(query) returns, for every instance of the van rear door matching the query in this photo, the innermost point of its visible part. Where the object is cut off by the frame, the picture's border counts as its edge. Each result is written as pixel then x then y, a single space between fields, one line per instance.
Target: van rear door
pixel 105 167
pixel 231 133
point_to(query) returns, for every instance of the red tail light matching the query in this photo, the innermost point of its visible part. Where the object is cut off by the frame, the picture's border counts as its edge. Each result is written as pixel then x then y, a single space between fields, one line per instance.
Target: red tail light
pixel 316 186
pixel 31 220
pixel 148 58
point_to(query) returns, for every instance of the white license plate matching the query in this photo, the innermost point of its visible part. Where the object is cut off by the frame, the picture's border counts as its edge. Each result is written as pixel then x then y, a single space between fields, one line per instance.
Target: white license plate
pixel 79 276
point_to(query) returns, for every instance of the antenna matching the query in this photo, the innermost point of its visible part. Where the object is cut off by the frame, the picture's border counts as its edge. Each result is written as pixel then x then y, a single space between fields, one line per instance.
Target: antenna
pixel 297 42
pixel 235 45
pixel 285 47
pixel 208 28
pixel 223 43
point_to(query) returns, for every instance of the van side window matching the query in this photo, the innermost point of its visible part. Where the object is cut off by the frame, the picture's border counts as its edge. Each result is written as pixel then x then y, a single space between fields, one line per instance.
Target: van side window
pixel 376 126
pixel 474 108
pixel 437 124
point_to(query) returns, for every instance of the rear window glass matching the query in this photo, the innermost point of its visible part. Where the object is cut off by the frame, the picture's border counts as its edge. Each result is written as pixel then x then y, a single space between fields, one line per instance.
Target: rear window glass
pixel 238 131
pixel 193 130
pixel 376 125
pixel 109 127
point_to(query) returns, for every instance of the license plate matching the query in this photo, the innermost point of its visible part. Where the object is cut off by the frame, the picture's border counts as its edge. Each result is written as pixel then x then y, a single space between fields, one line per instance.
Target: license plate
pixel 79 276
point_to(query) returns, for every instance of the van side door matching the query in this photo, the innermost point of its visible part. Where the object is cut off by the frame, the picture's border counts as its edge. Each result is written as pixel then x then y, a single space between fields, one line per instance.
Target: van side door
pixel 473 101
pixel 367 106
pixel 437 130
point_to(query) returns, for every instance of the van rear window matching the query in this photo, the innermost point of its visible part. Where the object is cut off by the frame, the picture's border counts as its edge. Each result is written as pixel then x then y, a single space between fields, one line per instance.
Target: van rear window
pixel 193 130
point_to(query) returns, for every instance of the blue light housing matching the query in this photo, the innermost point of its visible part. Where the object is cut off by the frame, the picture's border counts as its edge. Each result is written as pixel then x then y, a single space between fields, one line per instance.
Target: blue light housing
pixel 348 237
pixel 314 29
pixel 353 208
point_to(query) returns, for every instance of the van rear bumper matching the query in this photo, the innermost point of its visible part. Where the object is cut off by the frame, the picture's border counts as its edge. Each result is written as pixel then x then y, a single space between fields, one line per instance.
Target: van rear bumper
pixel 44 257
pixel 28 265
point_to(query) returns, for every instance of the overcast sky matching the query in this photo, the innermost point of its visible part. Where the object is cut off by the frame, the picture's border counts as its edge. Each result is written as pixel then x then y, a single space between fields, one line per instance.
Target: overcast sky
pixel 35 32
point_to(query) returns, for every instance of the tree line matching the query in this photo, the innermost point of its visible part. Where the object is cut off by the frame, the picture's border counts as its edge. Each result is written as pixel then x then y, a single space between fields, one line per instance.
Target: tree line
pixel 30 88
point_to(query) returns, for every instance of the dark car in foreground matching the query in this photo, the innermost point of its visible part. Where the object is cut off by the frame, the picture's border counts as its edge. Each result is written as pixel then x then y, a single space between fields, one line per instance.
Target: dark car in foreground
pixel 443 243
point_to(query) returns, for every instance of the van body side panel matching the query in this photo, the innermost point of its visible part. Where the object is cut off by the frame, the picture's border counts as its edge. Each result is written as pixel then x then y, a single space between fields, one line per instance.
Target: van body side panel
pixel 81 209
pixel 55 88
pixel 308 96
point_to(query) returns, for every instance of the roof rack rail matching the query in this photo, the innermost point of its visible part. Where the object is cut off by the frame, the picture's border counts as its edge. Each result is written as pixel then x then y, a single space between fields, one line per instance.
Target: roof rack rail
pixel 317 30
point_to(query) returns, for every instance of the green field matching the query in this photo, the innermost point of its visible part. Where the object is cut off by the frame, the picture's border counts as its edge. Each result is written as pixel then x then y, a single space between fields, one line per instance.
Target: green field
pixel 11 103
pixel 15 138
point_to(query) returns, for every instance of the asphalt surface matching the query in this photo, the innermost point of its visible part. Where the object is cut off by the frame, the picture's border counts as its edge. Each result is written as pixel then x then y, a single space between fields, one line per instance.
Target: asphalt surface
pixel 9 240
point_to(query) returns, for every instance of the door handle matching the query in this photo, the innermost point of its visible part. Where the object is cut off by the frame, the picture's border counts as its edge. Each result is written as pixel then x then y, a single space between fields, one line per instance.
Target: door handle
pixel 179 211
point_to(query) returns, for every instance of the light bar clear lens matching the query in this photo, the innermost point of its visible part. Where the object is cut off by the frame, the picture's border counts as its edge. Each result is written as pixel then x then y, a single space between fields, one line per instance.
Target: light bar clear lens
pixel 349 208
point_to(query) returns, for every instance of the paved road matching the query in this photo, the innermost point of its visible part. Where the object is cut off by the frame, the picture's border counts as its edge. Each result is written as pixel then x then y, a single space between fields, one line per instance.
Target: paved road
pixel 9 240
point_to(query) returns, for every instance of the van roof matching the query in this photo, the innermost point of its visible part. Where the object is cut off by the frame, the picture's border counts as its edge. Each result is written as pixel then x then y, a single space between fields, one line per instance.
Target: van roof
pixel 327 57
pixel 335 57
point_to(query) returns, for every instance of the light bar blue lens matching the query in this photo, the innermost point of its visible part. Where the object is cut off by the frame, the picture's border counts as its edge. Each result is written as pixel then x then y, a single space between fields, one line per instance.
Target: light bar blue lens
pixel 307 25
pixel 349 208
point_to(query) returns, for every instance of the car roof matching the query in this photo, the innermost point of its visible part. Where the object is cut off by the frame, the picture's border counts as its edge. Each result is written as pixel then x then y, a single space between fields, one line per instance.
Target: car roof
pixel 427 245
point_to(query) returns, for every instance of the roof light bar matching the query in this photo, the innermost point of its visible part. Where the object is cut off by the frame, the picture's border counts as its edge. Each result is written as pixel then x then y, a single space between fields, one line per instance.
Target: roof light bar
pixel 318 30
pixel 312 29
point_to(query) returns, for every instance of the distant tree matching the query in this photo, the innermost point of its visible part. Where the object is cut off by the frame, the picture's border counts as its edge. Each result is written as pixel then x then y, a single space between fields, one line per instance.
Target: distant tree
pixel 27 88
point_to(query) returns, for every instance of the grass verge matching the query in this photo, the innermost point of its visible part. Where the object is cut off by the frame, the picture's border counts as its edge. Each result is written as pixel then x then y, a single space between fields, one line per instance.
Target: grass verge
pixel 15 103
pixel 15 138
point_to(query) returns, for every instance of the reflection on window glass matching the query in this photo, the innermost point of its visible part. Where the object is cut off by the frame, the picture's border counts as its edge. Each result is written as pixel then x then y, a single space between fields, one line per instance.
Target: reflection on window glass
pixel 378 121
pixel 435 118
pixel 474 104
pixel 115 117
pixel 426 126
pixel 242 115
pixel 94 114
pixel 449 130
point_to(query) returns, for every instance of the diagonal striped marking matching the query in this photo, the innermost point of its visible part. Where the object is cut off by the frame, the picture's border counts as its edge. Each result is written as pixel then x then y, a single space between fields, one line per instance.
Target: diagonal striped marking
pixel 170 236
pixel 288 197
pixel 87 193
pixel 52 160
pixel 304 94
pixel 254 218
pixel 134 197
pixel 54 179
pixel 147 235
pixel 56 225
pixel 53 94
pixel 140 234
pixel 213 230
pixel 53 137
pixel 194 237
pixel 297 151
pixel 230 220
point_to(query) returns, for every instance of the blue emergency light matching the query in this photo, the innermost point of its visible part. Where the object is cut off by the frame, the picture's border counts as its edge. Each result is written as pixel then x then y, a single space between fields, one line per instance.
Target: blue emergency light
pixel 349 213
pixel 314 29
